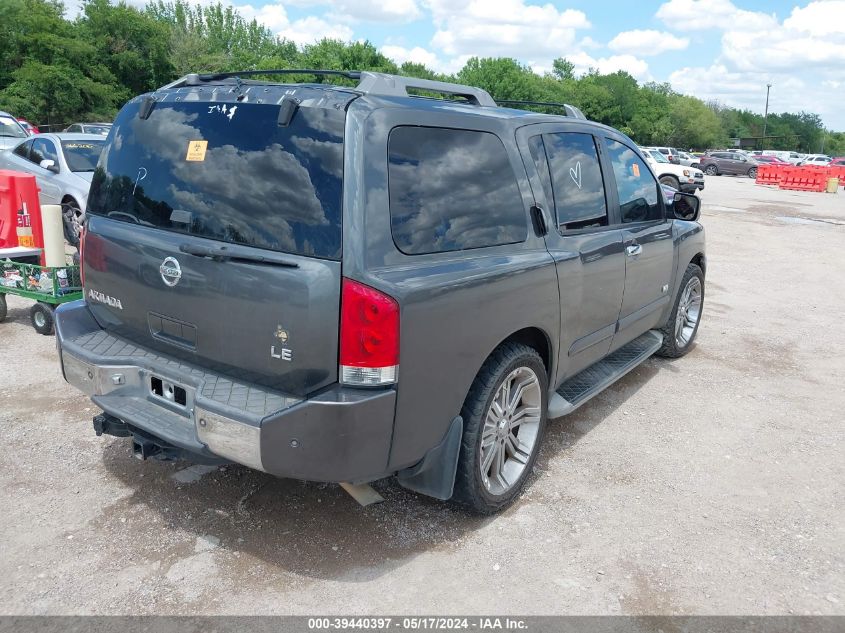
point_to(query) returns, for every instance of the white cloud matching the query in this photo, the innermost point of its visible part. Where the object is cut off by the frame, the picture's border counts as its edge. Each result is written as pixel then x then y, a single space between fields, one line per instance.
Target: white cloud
pixel 636 67
pixel 273 16
pixel 696 15
pixel 818 18
pixel 509 28
pixel 417 55
pixel 313 29
pixel 647 42
pixel 810 40
pixel 588 42
pixel 789 93
pixel 307 30
pixel 366 10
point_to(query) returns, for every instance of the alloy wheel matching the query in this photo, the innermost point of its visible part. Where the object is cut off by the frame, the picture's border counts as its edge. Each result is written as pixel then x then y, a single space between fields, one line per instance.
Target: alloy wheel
pixel 689 312
pixel 511 428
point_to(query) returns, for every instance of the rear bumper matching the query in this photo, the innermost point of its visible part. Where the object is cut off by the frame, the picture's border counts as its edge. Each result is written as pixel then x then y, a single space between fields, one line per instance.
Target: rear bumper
pixel 340 434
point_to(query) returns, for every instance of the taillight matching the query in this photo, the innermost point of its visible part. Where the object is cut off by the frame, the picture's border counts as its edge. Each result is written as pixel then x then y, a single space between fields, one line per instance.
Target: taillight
pixel 81 253
pixel 369 336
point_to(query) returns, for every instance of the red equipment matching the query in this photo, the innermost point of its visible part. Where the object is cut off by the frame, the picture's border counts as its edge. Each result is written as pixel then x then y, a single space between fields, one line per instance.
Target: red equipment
pixel 20 212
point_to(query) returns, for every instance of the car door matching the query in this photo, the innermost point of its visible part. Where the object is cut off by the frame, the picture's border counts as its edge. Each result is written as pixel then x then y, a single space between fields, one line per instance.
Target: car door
pixel 17 159
pixel 647 240
pixel 584 238
pixel 739 164
pixel 45 149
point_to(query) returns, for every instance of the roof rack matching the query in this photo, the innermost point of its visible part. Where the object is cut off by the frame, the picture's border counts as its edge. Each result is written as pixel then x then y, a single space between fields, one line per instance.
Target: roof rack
pixel 372 83
pixel 570 110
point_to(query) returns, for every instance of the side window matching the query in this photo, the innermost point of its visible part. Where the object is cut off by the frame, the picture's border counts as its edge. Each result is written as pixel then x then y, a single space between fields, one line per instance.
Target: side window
pixel 577 182
pixel 42 149
pixel 75 128
pixel 22 150
pixel 452 190
pixel 638 190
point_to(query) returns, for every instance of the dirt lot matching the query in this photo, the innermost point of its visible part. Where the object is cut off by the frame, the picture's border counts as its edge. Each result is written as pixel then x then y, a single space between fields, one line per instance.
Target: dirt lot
pixel 708 485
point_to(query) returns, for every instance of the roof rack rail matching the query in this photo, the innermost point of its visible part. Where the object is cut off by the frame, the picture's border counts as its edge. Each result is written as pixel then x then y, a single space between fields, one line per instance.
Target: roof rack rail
pixel 387 85
pixel 195 79
pixel 570 110
pixel 372 83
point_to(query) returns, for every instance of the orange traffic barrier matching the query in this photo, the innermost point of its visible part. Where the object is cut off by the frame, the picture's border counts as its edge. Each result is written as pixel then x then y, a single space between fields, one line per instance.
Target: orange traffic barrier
pixel 837 171
pixel 804 179
pixel 769 174
pixel 20 211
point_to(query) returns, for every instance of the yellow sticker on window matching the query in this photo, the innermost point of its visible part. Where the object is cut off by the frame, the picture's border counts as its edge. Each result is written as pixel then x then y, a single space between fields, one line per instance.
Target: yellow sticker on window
pixel 196 150
pixel 634 168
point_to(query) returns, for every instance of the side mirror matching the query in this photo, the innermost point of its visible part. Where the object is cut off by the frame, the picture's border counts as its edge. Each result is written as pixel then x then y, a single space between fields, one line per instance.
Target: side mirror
pixel 686 206
pixel 49 165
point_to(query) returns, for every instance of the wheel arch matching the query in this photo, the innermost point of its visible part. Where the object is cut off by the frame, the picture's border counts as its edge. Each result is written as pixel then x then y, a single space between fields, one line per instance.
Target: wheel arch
pixel 535 338
pixel 700 260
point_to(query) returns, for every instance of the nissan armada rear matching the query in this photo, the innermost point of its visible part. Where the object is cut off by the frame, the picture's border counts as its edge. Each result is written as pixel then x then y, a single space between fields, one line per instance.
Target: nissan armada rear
pixel 347 283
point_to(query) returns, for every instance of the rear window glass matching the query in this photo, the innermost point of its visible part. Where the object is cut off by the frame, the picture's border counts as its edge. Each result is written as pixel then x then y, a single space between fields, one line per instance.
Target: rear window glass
pixel 11 128
pixel 82 155
pixel 452 190
pixel 228 172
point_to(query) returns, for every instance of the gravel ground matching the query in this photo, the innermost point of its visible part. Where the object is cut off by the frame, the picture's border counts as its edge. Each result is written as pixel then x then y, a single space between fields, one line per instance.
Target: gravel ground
pixel 712 484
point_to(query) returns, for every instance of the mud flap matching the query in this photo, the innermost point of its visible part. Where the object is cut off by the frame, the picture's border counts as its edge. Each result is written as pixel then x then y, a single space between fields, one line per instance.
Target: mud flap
pixel 434 475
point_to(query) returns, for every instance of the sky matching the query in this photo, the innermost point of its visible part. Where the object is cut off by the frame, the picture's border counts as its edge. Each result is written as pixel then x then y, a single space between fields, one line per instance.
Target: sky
pixel 713 49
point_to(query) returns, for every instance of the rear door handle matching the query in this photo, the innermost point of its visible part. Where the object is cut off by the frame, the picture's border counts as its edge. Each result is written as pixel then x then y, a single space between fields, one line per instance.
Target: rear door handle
pixel 633 250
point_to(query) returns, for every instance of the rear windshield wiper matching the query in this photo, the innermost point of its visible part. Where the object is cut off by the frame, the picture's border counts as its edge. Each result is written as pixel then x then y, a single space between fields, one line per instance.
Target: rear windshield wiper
pixel 222 253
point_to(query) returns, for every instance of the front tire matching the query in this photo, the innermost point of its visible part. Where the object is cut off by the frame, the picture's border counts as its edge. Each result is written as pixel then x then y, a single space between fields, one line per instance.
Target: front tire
pixel 682 326
pixel 504 420
pixel 711 170
pixel 41 315
pixel 3 308
pixel 752 173
pixel 671 181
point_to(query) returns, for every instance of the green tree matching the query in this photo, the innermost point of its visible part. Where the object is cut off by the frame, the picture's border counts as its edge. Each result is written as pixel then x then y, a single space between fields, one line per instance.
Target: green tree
pixel 131 45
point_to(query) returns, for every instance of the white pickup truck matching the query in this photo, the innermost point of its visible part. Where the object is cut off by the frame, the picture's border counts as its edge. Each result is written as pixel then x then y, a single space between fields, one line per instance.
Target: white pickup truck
pixel 682 178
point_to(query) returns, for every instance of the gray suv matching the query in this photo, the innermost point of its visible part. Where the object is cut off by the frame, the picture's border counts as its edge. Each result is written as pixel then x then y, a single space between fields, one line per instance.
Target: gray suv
pixel 732 163
pixel 348 283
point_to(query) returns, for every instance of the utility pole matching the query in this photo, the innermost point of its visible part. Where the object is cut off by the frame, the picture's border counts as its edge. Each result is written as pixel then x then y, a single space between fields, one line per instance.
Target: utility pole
pixel 765 117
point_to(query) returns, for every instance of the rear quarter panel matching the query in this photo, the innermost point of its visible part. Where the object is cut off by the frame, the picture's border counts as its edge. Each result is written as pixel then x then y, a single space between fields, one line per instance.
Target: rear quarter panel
pixel 456 308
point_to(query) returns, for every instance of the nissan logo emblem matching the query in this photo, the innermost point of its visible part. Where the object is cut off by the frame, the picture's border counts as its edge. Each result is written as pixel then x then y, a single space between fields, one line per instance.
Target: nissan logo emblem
pixel 171 271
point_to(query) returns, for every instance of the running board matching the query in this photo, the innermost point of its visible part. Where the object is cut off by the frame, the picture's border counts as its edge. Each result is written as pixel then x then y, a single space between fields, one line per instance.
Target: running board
pixel 597 377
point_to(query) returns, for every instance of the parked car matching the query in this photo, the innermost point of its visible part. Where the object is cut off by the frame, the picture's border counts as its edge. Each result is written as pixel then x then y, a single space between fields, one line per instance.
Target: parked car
pixel 686 179
pixel 764 159
pixel 688 159
pixel 839 160
pixel 101 129
pixel 331 283
pixel 732 163
pixel 29 127
pixel 62 164
pixel 815 159
pixel 671 153
pixel 10 131
pixel 789 157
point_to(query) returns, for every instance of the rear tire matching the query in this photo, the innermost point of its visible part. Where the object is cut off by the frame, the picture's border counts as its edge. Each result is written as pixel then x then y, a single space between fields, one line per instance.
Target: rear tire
pixel 711 170
pixel 41 315
pixel 3 308
pixel 504 420
pixel 682 326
